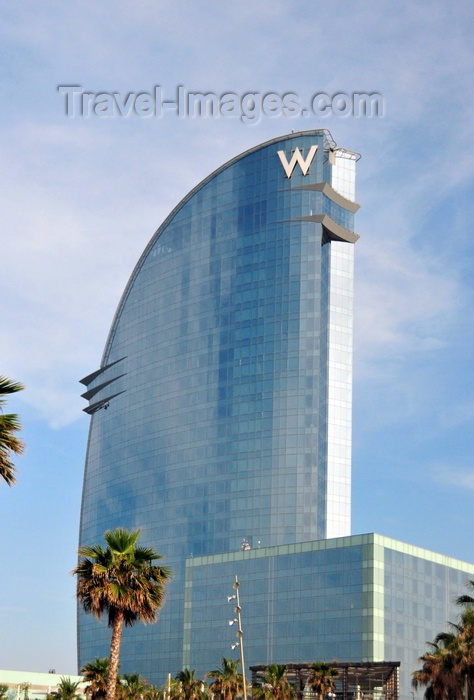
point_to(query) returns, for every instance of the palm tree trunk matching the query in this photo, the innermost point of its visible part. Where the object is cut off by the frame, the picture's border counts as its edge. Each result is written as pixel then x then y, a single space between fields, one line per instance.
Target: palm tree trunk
pixel 114 655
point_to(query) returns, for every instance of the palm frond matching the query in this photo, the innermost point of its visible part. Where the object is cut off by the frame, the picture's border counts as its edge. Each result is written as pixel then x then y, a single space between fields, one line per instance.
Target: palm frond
pixel 7 387
pixel 10 424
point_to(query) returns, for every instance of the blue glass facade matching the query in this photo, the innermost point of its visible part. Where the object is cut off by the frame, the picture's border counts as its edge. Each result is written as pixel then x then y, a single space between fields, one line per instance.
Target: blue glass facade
pixel 222 408
pixel 360 598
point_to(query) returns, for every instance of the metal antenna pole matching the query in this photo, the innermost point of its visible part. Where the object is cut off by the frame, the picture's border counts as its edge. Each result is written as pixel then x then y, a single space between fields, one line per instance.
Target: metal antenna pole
pixel 240 634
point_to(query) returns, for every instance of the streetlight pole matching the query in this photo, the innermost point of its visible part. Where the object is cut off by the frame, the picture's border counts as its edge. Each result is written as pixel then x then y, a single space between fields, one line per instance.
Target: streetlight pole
pixel 239 633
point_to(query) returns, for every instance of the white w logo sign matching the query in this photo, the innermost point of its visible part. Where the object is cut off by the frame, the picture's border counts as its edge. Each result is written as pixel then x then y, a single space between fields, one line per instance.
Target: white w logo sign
pixel 297 158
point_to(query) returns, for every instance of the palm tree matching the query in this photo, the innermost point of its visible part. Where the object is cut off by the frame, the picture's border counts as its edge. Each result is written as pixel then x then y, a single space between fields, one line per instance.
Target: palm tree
pixel 9 425
pixel 466 599
pixel 67 689
pixel 152 692
pixel 275 685
pixel 171 690
pixel 121 581
pixel 321 679
pixel 132 687
pixel 4 691
pixel 191 688
pixel 465 644
pixel 447 669
pixel 24 687
pixel 228 682
pixel 95 674
pixel 439 672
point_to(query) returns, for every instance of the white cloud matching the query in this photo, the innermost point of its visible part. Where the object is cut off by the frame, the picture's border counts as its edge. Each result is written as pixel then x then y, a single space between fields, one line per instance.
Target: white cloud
pixel 82 198
pixel 404 302
pixel 455 478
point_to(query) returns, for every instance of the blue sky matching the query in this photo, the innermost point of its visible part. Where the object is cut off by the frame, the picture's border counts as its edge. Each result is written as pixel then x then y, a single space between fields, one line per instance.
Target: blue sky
pixel 81 197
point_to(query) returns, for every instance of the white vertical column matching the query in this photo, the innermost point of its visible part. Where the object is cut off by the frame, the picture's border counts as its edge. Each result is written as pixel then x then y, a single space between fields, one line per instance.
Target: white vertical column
pixel 340 349
pixel 339 396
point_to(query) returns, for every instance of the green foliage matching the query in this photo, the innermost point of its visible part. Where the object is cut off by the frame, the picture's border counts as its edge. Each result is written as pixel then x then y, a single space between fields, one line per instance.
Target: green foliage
pixel 95 675
pixel 132 687
pixel 153 693
pixel 171 691
pixel 191 688
pixel 448 666
pixel 228 682
pixel 122 581
pixel 67 689
pixel 9 426
pixel 321 680
pixel 275 685
pixel 121 578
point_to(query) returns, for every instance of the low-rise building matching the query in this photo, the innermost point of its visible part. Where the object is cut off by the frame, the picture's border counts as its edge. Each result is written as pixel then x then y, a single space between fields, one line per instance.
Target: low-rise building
pixel 29 685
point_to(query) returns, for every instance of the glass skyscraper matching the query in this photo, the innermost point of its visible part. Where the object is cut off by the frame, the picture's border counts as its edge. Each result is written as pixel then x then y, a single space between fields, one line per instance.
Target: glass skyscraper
pixel 222 409
pixel 221 413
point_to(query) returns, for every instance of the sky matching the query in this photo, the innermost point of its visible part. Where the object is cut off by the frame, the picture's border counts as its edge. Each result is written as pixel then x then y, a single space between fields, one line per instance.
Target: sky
pixel 82 194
